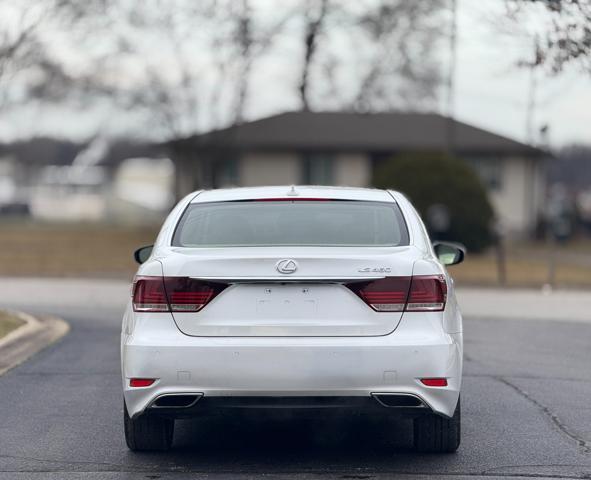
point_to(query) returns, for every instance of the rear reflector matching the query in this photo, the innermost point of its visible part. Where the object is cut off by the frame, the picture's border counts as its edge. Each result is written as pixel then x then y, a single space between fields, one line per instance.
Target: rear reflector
pixel 434 382
pixel 421 293
pixel 141 382
pixel 175 294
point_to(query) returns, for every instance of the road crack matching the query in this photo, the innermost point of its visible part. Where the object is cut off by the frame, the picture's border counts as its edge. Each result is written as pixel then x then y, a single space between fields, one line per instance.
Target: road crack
pixel 555 419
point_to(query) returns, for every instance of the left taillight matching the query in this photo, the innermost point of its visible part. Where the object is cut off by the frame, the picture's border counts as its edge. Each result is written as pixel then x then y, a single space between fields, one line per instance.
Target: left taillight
pixel 190 295
pixel 149 295
pixel 175 294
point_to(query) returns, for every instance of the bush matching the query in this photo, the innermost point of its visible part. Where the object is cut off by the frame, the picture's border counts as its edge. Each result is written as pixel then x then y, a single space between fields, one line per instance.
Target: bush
pixel 437 179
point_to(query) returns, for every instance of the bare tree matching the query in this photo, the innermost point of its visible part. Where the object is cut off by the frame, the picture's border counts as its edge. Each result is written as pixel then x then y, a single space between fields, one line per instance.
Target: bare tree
pixel 244 39
pixel 186 66
pixel 251 41
pixel 29 68
pixel 18 28
pixel 315 15
pixel 390 62
pixel 566 35
pixel 204 80
pixel 401 70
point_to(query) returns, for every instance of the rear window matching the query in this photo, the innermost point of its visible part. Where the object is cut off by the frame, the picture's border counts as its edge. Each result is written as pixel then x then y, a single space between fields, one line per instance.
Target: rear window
pixel 301 222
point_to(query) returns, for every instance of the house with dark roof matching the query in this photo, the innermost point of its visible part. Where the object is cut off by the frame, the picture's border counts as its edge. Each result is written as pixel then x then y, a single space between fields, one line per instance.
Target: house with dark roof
pixel 333 148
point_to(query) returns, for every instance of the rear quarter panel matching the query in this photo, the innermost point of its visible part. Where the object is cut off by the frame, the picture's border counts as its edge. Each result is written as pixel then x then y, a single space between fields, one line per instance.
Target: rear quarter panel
pixel 429 264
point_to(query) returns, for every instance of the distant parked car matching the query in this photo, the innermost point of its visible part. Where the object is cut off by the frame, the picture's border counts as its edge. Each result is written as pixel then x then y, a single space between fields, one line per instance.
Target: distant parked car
pixel 14 199
pixel 300 298
pixel 16 208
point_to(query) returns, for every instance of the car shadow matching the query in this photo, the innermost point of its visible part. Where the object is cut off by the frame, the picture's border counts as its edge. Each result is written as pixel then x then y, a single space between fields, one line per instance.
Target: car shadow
pixel 289 443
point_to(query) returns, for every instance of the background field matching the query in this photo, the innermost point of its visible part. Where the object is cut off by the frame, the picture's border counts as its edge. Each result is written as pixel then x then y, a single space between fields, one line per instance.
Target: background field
pixel 528 265
pixel 67 250
pixel 70 250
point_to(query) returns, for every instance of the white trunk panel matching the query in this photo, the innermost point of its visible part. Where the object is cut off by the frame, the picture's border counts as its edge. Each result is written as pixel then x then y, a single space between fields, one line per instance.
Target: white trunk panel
pixel 312 301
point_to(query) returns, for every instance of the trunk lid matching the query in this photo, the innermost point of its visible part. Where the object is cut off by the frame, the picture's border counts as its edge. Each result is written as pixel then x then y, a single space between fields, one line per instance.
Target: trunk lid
pixel 310 299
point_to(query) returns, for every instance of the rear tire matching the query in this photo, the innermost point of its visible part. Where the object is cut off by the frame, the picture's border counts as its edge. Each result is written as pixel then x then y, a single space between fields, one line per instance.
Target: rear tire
pixel 148 432
pixel 437 434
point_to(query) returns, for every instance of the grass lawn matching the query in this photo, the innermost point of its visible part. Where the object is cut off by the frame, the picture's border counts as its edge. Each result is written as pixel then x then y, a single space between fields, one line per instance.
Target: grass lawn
pixel 72 250
pixel 8 322
pixel 528 265
pixel 91 250
pixel 521 271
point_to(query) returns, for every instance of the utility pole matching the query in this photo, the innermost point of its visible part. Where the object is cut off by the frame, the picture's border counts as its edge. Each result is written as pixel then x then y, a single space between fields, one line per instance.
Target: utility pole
pixel 532 91
pixel 451 74
pixel 530 131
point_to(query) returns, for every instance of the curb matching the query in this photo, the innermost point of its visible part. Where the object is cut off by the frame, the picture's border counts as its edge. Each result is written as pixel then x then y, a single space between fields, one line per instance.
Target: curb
pixel 36 334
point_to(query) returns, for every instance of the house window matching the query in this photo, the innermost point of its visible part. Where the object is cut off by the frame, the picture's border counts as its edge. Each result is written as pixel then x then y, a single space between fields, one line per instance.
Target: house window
pixel 226 173
pixel 490 171
pixel 318 169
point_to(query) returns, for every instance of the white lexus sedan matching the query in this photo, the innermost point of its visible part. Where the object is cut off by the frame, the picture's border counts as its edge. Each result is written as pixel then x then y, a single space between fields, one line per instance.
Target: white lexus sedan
pixel 293 298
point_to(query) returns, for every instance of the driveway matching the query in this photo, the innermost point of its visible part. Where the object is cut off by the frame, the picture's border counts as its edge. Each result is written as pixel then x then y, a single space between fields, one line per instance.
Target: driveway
pixel 526 410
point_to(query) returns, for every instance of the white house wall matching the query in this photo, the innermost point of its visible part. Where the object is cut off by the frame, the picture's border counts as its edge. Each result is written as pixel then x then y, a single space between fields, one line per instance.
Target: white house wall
pixel 517 202
pixel 352 170
pixel 269 169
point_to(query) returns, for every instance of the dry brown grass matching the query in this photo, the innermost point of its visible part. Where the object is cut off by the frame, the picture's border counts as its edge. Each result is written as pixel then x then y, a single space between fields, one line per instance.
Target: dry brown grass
pixel 8 322
pixel 522 270
pixel 106 251
pixel 70 250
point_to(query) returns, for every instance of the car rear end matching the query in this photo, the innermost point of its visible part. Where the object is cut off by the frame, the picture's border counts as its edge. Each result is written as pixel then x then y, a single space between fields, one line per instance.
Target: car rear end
pixel 292 298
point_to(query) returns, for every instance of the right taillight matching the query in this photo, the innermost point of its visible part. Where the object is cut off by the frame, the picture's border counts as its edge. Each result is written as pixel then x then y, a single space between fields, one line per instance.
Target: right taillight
pixel 420 293
pixel 173 294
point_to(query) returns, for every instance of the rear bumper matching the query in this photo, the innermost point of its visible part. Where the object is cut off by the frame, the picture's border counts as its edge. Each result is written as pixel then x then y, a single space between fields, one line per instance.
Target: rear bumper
pixel 293 367
pixel 267 407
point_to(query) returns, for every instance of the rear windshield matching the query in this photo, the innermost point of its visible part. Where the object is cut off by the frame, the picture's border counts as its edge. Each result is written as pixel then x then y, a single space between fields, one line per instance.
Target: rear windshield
pixel 302 222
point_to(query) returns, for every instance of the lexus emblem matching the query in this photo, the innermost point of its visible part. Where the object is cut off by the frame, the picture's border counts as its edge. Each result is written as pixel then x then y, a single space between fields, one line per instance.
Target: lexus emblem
pixel 286 266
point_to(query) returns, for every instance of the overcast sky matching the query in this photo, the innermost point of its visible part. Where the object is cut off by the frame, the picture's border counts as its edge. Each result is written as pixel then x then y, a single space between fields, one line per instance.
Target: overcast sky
pixel 491 92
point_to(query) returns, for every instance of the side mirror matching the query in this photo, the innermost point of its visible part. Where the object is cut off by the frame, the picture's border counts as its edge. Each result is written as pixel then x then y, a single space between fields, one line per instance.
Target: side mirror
pixel 143 253
pixel 449 253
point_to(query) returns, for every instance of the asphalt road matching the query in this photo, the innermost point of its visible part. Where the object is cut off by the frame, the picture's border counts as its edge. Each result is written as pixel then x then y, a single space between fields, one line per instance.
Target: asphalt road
pixel 526 413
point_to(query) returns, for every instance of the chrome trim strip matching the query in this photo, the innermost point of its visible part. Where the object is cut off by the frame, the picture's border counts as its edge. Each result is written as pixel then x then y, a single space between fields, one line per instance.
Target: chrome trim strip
pixel 278 279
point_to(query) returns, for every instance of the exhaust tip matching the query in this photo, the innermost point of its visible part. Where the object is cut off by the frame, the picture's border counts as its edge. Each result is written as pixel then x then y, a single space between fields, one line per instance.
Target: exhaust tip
pixel 399 400
pixel 173 400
